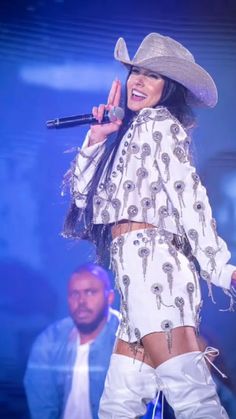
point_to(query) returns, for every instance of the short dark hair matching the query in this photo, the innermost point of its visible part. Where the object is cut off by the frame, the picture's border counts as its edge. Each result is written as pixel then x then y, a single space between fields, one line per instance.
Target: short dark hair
pixel 97 271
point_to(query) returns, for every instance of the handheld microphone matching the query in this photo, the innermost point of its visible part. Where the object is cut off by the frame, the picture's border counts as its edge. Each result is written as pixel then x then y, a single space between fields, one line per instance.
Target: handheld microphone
pixel 71 121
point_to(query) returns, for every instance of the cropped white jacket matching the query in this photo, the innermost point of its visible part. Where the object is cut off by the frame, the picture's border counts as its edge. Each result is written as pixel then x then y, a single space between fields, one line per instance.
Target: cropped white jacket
pixel 154 181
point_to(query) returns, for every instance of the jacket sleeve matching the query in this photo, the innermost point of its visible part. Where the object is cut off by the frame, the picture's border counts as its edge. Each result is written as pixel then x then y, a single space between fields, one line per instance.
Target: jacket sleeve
pixel 83 169
pixel 188 200
pixel 41 391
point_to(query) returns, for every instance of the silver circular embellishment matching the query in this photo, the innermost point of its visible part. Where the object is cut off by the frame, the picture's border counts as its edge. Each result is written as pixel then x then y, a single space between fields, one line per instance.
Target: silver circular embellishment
pixel 114 248
pixel 205 275
pixel 187 141
pixel 110 188
pixel 179 153
pixel 163 211
pixel 161 114
pixel 146 203
pixel 168 236
pixel 128 185
pixel 143 252
pixel 190 287
pixel 142 172
pixel 105 216
pixel 156 288
pixel 126 280
pixel 101 186
pixel 144 117
pixel 179 302
pixel 146 113
pixel 120 240
pixel 174 128
pixel 139 235
pixel 146 149
pixel 114 173
pixel 195 177
pixel 157 136
pixel 199 206
pixel 210 252
pixel 133 148
pixel 192 266
pixel 179 186
pixel 156 187
pixel 98 202
pixel 116 203
pixel 166 325
pixel 132 211
pixel 172 251
pixel 152 232
pixel 193 234
pixel 213 223
pixel 175 213
pixel 167 267
pixel 137 334
pixel 165 158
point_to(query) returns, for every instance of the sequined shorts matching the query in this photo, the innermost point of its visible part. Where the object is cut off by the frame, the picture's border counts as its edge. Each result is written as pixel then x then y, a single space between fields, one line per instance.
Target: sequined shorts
pixel 158 285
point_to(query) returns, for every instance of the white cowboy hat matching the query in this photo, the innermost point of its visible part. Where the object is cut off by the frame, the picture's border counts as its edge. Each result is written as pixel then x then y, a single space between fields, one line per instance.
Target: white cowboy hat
pixel 169 58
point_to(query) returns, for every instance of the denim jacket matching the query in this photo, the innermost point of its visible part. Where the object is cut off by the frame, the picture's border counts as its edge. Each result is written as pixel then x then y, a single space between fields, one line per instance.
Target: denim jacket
pixel 49 372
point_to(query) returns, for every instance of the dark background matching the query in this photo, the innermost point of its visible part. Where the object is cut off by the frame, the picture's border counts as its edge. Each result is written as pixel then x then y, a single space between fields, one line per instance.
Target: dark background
pixel 56 59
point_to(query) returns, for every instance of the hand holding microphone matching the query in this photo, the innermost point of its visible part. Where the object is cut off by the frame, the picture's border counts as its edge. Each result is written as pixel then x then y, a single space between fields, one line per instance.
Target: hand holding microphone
pixel 71 121
pixel 99 132
pixel 104 119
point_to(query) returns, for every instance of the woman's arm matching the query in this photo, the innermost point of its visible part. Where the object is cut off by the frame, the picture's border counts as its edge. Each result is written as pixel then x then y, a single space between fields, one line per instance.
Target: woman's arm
pixel 84 165
pixel 100 131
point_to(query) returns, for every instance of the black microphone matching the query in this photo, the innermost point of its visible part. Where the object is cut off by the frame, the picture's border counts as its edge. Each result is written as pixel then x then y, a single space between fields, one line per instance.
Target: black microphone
pixel 71 121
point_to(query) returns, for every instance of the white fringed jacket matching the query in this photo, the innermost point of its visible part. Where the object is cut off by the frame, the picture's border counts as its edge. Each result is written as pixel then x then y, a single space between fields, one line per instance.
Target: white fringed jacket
pixel 154 181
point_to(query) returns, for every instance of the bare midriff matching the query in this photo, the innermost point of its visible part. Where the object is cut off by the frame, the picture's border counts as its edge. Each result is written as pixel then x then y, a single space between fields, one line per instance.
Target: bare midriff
pixel 125 226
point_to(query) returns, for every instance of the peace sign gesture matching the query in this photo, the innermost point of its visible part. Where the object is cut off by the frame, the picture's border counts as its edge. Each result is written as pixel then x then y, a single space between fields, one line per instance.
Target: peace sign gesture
pixel 99 132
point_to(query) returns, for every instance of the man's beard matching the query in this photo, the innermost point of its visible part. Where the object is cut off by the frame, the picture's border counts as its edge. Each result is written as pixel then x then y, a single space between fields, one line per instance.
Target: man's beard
pixel 88 328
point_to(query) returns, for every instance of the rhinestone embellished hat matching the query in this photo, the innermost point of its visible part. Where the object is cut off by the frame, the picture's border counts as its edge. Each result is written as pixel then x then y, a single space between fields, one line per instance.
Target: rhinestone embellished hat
pixel 169 58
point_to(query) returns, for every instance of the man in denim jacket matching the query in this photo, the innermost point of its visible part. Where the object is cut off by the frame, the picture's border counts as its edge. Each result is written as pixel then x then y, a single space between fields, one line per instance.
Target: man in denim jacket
pixel 68 363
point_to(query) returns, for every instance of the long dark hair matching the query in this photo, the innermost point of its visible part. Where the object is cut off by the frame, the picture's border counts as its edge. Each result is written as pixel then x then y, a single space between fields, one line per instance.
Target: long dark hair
pixel 79 223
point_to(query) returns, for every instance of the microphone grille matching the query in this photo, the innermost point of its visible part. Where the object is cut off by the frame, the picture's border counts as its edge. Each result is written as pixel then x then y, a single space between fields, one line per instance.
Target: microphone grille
pixel 116 113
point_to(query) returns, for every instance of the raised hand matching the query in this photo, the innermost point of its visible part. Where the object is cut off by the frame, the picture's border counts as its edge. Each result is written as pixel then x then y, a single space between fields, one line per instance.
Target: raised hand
pixel 100 131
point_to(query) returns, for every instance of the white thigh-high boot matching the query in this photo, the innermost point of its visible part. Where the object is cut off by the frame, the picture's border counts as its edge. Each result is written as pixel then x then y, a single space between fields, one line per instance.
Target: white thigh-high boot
pixel 129 385
pixel 187 384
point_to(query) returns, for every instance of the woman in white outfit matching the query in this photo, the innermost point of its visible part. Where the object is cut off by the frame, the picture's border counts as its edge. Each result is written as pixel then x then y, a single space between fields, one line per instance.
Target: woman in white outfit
pixel 136 192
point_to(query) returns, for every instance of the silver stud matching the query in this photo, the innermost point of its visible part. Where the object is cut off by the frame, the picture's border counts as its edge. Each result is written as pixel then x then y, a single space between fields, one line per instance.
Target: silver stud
pixel 167 327
pixel 179 302
pixel 144 252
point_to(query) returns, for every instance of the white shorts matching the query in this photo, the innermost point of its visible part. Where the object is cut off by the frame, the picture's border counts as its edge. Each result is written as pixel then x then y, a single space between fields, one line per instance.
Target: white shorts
pixel 158 285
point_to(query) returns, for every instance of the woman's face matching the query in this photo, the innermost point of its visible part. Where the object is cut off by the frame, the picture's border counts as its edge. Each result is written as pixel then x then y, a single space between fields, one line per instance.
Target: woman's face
pixel 144 89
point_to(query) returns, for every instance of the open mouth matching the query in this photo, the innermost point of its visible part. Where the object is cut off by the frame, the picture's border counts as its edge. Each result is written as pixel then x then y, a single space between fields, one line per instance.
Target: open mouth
pixel 136 94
